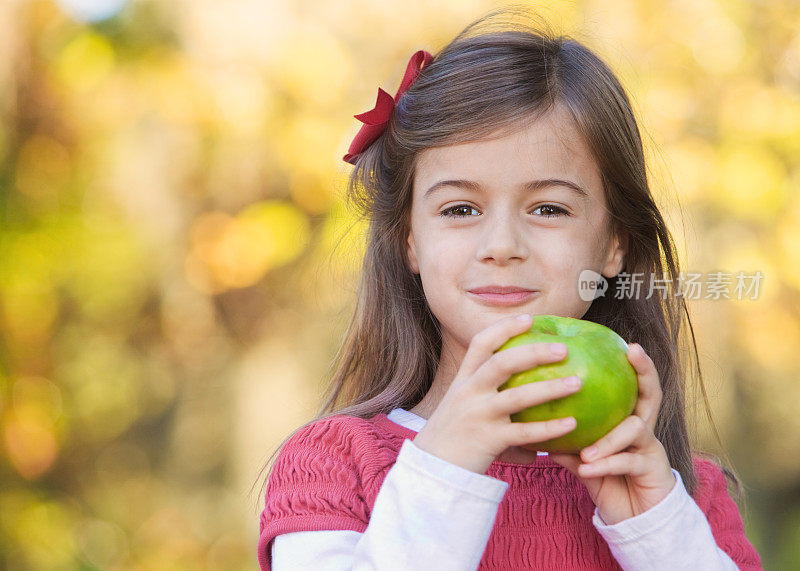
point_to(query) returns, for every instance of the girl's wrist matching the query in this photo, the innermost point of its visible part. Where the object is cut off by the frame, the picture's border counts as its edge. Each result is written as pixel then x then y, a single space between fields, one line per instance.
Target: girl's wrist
pixel 654 496
pixel 451 456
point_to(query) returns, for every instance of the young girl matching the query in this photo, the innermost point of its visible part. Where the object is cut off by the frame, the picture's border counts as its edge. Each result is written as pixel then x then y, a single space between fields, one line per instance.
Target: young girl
pixel 503 167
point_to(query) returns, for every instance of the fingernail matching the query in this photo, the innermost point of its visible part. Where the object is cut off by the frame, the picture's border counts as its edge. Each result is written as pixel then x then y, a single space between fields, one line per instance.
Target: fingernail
pixel 573 382
pixel 569 421
pixel 558 348
pixel 524 317
pixel 590 452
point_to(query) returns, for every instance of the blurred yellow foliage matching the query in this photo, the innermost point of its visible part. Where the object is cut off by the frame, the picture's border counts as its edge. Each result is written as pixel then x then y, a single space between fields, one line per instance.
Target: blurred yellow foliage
pixel 236 251
pixel 85 62
pixel 750 184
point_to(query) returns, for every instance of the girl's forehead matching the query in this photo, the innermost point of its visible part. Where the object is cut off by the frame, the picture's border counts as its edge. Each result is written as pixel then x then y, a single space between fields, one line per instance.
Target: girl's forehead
pixel 548 147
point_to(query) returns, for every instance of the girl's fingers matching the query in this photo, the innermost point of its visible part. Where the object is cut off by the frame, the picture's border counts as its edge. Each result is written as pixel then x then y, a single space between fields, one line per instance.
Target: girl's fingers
pixel 649 400
pixel 631 432
pixel 515 399
pixel 485 343
pixel 623 464
pixel 522 433
pixel 496 370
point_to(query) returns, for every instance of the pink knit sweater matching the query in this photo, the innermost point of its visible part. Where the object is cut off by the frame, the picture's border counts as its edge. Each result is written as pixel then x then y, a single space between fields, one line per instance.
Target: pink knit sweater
pixel 327 477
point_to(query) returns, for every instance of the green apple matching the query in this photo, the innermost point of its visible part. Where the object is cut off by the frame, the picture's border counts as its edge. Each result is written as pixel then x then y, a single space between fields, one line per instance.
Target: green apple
pixel 598 356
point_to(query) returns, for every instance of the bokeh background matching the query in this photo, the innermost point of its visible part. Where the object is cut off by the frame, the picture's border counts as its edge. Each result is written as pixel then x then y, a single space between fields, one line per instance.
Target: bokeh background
pixel 177 264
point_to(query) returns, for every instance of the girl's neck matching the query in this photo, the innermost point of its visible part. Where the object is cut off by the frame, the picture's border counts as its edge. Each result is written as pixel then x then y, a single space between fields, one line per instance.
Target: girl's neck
pixel 426 406
pixel 448 368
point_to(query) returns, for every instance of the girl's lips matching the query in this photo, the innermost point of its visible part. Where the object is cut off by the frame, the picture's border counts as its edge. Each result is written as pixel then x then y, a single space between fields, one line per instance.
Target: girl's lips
pixel 505 299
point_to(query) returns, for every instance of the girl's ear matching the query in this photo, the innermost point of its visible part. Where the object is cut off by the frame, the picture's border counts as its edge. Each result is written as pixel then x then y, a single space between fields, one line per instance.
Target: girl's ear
pixel 615 258
pixel 411 252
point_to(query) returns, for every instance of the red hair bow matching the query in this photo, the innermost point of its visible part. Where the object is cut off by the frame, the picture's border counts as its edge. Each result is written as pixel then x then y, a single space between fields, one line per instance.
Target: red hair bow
pixel 376 119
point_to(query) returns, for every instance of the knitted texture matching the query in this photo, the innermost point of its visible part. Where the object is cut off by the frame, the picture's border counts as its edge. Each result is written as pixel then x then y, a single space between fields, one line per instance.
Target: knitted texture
pixel 327 477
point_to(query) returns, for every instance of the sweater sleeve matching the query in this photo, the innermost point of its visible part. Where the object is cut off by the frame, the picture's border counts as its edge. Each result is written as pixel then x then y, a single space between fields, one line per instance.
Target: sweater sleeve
pixel 709 530
pixel 428 513
pixel 673 534
pixel 313 485
pixel 723 515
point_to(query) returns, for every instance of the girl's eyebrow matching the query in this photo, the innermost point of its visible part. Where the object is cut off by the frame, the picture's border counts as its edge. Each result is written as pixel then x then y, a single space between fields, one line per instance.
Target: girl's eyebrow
pixel 532 186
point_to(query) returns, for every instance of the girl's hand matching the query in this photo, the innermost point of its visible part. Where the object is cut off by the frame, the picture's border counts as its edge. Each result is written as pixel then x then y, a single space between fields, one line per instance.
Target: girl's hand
pixel 471 425
pixel 627 471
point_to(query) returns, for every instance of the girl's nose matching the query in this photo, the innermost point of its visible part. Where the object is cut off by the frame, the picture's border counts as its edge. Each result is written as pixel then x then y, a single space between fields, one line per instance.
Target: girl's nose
pixel 503 240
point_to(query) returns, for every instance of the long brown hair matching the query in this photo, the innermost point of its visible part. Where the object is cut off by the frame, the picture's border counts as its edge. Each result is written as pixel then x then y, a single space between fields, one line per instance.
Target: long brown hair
pixel 492 78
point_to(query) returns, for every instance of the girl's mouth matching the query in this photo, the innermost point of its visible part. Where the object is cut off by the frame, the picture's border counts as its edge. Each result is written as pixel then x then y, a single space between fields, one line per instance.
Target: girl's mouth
pixel 510 298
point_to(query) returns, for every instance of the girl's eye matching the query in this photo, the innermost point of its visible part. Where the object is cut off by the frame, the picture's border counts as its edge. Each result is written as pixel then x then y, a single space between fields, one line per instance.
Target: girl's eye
pixel 457 211
pixel 462 210
pixel 551 210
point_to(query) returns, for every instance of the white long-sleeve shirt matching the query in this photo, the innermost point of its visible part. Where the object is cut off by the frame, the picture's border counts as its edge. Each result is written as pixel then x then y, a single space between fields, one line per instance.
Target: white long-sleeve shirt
pixel 673 534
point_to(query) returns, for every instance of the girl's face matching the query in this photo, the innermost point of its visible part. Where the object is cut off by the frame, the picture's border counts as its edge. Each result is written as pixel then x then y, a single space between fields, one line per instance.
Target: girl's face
pixel 525 210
